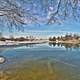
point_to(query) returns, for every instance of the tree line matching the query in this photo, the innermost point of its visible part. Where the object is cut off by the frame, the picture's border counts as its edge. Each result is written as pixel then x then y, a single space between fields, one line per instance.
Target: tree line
pixel 65 38
pixel 30 38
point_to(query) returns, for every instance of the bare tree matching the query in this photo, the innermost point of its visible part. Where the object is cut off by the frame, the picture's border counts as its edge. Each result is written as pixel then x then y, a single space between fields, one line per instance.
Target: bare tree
pixel 13 12
pixel 65 9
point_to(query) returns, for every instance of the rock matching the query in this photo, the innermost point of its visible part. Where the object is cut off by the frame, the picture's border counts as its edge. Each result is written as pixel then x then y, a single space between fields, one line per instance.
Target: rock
pixel 2 59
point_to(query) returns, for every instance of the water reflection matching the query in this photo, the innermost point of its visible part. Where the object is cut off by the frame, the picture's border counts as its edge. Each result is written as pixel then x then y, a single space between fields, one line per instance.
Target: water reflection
pixel 45 63
pixel 30 45
pixel 66 45
pixel 3 47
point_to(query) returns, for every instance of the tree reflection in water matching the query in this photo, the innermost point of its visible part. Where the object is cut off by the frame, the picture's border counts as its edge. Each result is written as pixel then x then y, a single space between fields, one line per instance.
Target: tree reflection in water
pixel 66 45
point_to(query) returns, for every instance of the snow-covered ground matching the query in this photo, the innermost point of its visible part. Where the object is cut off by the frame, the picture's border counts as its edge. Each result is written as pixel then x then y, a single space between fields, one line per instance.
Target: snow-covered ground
pixel 21 42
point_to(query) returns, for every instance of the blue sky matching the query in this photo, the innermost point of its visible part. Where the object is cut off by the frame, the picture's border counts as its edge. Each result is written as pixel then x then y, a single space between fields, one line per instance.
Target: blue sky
pixel 69 26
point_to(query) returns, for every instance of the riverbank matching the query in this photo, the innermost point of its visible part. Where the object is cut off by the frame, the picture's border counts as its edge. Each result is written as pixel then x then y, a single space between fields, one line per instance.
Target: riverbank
pixel 16 43
pixel 67 39
pixel 66 42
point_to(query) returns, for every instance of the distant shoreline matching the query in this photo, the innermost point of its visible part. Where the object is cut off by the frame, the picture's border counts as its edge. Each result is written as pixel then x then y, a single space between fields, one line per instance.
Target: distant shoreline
pixel 18 43
pixel 65 42
pixel 22 43
pixel 67 39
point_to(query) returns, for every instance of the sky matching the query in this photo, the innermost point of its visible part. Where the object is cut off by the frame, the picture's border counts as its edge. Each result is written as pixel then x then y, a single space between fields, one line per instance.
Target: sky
pixel 68 26
pixel 47 30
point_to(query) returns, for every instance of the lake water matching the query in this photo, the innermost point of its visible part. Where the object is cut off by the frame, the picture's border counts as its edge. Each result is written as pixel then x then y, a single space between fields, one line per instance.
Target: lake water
pixel 40 62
